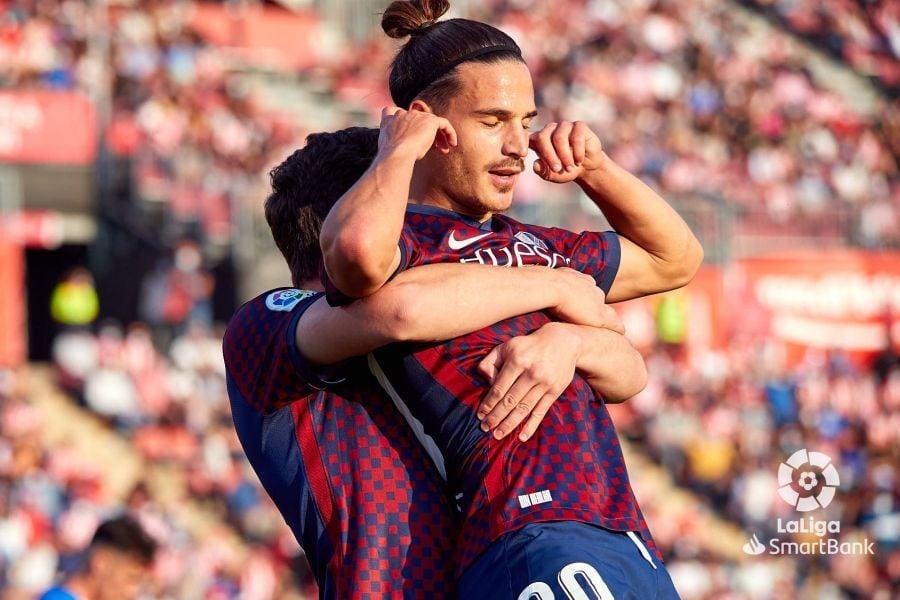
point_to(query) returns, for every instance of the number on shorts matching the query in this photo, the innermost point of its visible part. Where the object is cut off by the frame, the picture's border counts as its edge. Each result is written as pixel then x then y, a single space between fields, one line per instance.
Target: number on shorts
pixel 572 578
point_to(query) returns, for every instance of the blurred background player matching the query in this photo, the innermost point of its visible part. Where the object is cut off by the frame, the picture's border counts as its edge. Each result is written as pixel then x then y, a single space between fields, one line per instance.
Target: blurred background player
pixel 114 566
pixel 362 498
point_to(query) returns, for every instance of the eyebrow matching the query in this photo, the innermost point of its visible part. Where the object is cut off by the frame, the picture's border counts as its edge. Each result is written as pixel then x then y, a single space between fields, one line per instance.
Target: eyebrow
pixel 502 114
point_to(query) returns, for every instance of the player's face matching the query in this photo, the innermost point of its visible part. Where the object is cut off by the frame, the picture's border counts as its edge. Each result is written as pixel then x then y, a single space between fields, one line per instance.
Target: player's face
pixel 121 575
pixel 491 115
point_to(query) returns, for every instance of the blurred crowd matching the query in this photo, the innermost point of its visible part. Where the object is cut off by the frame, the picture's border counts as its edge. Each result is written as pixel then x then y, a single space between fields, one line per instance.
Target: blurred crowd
pixel 684 93
pixel 192 140
pixel 864 34
pixel 172 410
pixel 699 103
pixel 722 422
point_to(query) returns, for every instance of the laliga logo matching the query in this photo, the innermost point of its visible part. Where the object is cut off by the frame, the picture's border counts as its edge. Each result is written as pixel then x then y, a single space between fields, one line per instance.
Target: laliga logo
pixel 286 300
pixel 754 547
pixel 807 480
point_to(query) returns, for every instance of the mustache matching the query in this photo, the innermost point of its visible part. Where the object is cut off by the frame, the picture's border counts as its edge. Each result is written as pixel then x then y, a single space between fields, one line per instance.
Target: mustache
pixel 508 164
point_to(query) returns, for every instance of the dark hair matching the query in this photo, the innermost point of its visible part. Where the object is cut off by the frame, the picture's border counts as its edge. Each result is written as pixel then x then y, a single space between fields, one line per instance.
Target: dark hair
pixel 306 186
pixel 425 66
pixel 125 535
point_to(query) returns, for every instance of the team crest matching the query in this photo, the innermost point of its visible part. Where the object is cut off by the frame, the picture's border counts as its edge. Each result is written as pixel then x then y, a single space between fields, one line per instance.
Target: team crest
pixel 531 239
pixel 286 300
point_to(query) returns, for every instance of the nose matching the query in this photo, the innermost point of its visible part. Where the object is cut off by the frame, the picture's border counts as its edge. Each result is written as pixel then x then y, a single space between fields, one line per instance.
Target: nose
pixel 515 144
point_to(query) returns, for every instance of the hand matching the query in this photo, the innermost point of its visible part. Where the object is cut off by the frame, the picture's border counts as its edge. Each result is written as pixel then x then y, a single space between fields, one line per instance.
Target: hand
pixel 415 131
pixel 565 151
pixel 583 303
pixel 528 373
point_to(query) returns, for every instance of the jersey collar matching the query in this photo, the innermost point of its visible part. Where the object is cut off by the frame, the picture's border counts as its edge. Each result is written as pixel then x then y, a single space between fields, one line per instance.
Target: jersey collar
pixel 437 211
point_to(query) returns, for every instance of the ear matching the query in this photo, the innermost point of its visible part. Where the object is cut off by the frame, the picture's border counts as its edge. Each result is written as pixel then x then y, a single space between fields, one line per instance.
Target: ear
pixel 421 105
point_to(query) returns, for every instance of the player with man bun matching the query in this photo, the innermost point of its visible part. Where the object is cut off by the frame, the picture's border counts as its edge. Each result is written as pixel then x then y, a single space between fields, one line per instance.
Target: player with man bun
pixel 546 515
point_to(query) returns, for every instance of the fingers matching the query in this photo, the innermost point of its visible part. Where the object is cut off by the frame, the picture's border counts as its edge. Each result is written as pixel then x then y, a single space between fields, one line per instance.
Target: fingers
pixel 390 111
pixel 542 144
pixel 541 169
pixel 445 126
pixel 509 405
pixel 579 140
pixel 504 380
pixel 521 411
pixel 562 145
pixel 490 364
pixel 537 416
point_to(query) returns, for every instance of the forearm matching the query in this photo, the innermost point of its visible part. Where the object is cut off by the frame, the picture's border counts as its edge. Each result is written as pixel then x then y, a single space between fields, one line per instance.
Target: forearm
pixel 636 211
pixel 609 363
pixel 428 303
pixel 444 301
pixel 644 218
pixel 359 237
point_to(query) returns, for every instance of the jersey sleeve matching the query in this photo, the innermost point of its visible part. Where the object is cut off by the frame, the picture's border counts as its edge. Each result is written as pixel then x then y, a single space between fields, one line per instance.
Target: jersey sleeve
pixel 596 253
pixel 408 256
pixel 261 355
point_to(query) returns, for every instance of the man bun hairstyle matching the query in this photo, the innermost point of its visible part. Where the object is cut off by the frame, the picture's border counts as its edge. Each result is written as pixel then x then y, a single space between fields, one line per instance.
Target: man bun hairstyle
pixel 425 66
pixel 403 19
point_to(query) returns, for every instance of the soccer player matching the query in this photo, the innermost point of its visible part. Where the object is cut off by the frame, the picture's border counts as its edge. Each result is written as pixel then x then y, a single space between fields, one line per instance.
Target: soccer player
pixel 330 448
pixel 554 514
pixel 114 564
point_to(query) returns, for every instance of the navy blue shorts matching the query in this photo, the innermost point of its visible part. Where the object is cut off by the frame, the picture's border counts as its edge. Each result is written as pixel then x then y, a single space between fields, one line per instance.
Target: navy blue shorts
pixel 567 560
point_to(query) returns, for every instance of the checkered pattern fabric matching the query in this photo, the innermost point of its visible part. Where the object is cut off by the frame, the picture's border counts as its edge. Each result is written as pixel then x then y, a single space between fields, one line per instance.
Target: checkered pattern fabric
pixel 574 458
pixel 380 524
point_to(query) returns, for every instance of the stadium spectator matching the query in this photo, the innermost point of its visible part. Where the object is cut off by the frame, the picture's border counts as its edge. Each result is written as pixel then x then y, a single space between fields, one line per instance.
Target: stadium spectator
pixel 114 565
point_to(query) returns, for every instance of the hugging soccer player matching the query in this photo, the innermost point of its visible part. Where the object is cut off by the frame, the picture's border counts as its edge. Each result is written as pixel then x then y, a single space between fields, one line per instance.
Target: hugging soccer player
pixel 542 516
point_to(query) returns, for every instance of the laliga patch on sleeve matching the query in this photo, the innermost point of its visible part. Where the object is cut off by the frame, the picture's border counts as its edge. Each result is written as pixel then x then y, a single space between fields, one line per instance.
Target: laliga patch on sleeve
pixel 286 300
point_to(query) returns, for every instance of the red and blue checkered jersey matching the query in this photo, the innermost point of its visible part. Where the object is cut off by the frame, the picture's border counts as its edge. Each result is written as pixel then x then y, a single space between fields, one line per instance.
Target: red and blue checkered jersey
pixel 350 479
pixel 572 469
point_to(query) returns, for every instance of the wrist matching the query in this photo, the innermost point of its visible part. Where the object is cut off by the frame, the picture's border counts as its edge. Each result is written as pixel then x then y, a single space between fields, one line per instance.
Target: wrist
pixel 396 155
pixel 571 334
pixel 593 178
pixel 558 286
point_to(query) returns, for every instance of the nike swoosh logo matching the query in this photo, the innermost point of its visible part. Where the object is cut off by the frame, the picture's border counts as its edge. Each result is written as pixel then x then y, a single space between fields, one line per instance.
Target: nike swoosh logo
pixel 456 244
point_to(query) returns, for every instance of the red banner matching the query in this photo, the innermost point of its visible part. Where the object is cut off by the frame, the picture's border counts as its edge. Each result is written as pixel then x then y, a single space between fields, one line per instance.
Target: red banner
pixel 838 299
pixel 47 127
pixel 268 35
pixel 829 300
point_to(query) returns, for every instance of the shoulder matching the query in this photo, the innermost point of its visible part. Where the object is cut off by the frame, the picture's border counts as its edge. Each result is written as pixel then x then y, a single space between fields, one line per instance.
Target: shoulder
pixel 271 303
pixel 268 312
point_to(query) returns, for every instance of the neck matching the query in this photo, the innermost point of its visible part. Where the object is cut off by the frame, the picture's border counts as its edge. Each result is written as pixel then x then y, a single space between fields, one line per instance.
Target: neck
pixel 311 284
pixel 422 193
